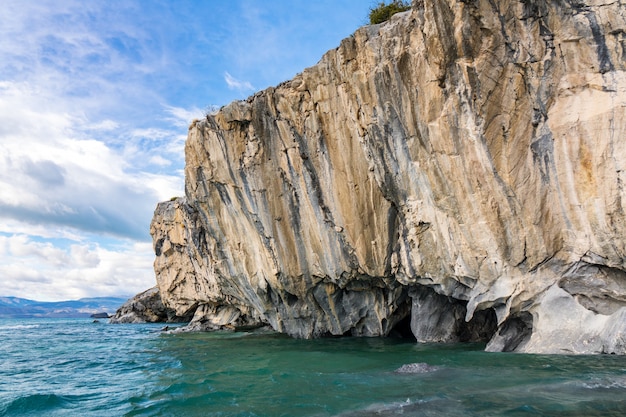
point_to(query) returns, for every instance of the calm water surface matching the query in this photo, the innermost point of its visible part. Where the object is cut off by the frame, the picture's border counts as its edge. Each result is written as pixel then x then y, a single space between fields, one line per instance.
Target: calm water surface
pixel 80 368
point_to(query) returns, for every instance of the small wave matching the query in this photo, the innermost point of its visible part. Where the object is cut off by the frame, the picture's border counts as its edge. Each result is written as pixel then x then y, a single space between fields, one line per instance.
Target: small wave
pixel 407 407
pixel 19 327
pixel 394 406
pixel 37 404
pixel 605 383
pixel 416 368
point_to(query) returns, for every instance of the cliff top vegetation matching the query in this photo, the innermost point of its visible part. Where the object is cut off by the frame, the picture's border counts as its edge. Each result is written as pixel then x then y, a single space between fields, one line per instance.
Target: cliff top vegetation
pixel 384 11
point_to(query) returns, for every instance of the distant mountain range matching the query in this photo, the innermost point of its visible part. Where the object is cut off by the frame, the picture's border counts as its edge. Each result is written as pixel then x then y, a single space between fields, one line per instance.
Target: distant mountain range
pixel 14 307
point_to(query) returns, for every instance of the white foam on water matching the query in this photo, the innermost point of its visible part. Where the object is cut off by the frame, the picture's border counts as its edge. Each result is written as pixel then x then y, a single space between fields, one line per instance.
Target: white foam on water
pixel 19 327
pixel 605 383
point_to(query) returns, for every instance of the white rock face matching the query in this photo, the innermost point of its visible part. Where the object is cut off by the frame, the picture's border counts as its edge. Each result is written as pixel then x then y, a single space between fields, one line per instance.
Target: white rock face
pixel 462 165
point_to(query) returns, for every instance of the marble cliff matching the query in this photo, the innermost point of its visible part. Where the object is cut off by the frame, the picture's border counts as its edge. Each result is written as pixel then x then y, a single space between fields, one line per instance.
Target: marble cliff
pixel 456 173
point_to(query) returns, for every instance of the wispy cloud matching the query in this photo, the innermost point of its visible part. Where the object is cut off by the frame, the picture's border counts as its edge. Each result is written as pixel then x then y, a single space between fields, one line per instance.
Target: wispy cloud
pixel 95 101
pixel 182 117
pixel 235 84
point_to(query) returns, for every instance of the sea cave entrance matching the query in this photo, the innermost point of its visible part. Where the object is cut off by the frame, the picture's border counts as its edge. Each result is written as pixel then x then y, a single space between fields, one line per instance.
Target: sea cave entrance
pixel 402 329
pixel 430 317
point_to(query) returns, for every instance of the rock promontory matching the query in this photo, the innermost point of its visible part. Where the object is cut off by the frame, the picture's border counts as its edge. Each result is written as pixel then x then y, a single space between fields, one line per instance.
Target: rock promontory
pixel 146 307
pixel 456 173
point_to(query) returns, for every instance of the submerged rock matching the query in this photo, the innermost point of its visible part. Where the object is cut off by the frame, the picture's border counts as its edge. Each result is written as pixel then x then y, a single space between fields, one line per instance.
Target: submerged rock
pixel 460 167
pixel 416 368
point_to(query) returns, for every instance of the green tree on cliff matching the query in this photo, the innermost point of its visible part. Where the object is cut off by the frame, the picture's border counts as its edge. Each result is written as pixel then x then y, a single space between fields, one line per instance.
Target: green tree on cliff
pixel 383 11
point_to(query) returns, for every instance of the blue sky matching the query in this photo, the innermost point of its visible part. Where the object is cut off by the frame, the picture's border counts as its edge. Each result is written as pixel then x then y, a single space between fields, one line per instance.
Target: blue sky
pixel 95 101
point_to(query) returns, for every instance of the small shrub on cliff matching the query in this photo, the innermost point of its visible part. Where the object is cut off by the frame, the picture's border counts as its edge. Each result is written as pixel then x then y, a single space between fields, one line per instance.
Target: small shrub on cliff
pixel 383 11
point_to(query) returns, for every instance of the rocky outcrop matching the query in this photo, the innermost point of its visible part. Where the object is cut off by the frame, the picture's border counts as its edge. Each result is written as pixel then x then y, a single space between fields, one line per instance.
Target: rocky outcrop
pixel 458 170
pixel 146 307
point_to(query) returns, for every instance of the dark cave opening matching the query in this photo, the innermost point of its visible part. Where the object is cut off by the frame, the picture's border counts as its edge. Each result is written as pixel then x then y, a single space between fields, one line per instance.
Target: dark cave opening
pixel 513 334
pixel 402 329
pixel 481 328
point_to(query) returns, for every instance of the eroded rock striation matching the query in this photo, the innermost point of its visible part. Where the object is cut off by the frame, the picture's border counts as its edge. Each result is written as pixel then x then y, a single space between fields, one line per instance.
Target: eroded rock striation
pixel 458 170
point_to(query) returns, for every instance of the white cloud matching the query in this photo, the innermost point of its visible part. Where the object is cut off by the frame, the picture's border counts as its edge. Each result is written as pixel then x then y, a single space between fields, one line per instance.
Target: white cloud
pixel 19 247
pixel 183 117
pixel 53 172
pixel 85 154
pixel 104 125
pixel 78 270
pixel 92 129
pixel 160 161
pixel 235 84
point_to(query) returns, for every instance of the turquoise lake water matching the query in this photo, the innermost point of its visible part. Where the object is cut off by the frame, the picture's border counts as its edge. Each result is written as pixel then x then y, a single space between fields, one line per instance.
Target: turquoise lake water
pixel 80 368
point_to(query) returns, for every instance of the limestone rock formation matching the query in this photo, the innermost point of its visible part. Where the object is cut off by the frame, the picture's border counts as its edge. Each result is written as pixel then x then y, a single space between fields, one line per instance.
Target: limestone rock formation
pixel 146 307
pixel 460 168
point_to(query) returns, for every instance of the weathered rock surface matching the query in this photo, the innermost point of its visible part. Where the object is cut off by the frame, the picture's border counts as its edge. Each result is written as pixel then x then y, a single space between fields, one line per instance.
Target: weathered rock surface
pixel 146 307
pixel 462 165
